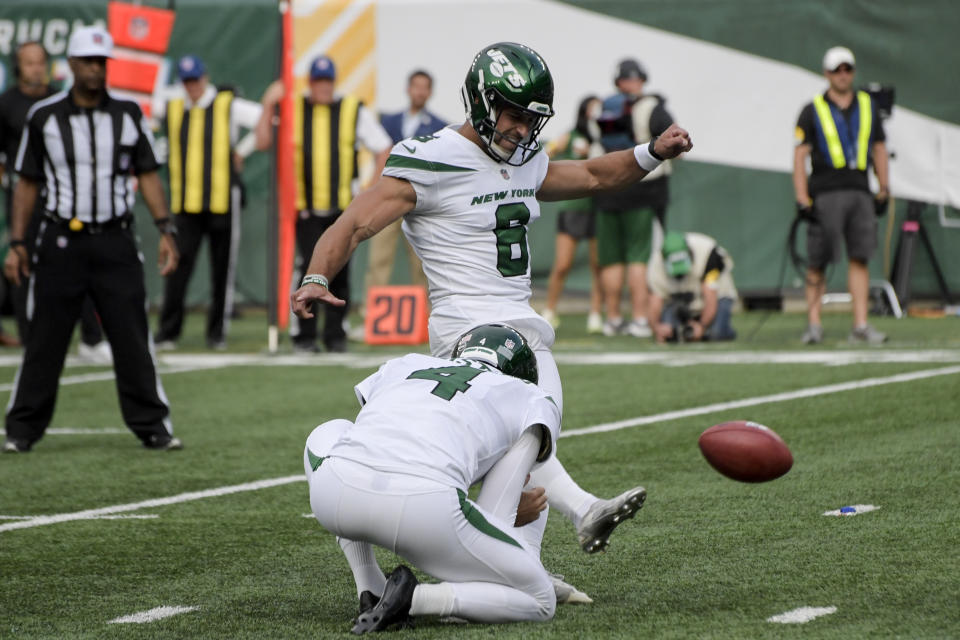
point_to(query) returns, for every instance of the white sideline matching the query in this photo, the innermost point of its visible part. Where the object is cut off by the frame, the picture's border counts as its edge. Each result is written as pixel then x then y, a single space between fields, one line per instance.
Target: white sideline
pixel 157 613
pixel 801 615
pixel 752 402
pixel 610 426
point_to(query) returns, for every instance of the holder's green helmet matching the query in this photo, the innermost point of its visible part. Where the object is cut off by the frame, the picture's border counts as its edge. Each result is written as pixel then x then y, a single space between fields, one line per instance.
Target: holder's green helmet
pixel 500 346
pixel 507 74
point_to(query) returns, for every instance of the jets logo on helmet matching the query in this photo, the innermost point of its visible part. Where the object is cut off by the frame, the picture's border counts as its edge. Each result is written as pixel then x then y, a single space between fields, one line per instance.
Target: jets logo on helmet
pixel 508 75
pixel 500 346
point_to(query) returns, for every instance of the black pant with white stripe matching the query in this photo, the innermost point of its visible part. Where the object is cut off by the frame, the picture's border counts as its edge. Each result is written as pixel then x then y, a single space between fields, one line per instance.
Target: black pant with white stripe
pixel 191 228
pixel 69 267
pixel 90 333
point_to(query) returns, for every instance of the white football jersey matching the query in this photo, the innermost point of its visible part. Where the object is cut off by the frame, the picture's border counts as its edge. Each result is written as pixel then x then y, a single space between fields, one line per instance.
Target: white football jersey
pixel 445 420
pixel 469 226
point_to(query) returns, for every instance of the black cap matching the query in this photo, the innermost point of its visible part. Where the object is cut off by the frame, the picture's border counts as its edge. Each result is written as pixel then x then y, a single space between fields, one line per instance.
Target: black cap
pixel 630 68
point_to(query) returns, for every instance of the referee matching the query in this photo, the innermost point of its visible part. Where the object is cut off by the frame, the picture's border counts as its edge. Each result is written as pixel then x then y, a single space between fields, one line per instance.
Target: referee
pixel 86 145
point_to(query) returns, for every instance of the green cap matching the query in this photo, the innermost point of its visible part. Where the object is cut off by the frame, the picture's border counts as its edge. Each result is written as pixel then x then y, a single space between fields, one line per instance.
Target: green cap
pixel 676 255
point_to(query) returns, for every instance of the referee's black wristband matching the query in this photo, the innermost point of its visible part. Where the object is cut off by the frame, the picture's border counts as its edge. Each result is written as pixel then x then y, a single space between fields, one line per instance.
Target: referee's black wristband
pixel 165 226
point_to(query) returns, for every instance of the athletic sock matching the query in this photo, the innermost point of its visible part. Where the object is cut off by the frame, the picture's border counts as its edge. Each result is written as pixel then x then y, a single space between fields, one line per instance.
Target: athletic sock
pixel 432 600
pixel 562 492
pixel 363 563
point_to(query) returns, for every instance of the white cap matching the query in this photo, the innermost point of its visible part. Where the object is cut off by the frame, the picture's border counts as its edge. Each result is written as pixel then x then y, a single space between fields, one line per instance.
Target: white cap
pixel 90 42
pixel 836 56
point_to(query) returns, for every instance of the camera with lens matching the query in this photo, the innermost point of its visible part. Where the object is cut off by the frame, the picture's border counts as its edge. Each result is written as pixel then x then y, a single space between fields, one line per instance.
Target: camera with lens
pixel 883 97
pixel 678 310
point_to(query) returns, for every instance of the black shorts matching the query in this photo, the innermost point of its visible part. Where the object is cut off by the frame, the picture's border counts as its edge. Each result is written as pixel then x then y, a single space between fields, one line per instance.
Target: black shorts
pixel 846 217
pixel 581 225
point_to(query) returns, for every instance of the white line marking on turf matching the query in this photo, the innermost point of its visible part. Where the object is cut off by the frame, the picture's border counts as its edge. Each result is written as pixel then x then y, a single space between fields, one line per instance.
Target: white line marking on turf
pixel 145 516
pixel 88 514
pixel 611 426
pixel 157 613
pixel 752 402
pixel 801 615
pixel 186 362
pixel 852 510
pixel 73 431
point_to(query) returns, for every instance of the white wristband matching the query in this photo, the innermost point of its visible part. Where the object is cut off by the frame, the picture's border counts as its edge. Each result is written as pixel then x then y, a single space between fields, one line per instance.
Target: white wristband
pixel 644 158
pixel 315 278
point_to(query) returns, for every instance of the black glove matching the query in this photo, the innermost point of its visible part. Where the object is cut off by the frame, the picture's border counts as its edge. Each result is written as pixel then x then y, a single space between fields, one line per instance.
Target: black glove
pixel 881 205
pixel 805 212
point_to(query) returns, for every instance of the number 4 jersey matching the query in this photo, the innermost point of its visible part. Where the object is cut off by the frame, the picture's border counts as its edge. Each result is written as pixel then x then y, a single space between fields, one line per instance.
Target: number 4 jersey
pixel 469 226
pixel 445 420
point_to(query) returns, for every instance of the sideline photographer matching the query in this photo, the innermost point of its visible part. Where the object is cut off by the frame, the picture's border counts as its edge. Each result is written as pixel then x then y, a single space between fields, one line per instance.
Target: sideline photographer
pixel 691 290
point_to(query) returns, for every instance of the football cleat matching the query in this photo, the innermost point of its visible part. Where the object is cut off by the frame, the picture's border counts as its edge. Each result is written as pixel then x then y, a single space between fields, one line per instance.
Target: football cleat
pixel 394 605
pixel 368 600
pixel 566 592
pixel 604 516
pixel 163 442
pixel 13 445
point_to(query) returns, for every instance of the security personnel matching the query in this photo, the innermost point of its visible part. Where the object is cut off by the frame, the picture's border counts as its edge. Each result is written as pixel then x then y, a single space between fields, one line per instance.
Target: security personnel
pixel 30 71
pixel 202 129
pixel 87 146
pixel 691 289
pixel 842 134
pixel 327 132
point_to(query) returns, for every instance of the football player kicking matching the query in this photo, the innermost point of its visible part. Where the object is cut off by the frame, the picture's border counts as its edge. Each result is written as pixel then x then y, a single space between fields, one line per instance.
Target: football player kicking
pixel 398 476
pixel 467 194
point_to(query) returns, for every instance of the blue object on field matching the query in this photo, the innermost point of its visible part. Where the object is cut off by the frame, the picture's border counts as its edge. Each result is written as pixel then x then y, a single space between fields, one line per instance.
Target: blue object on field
pixel 847 510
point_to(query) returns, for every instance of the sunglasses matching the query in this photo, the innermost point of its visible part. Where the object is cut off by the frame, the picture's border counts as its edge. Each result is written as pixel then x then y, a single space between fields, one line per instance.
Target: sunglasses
pixel 844 68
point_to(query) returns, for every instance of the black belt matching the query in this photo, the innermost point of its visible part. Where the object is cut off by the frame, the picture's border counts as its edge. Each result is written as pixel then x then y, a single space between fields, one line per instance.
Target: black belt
pixel 78 226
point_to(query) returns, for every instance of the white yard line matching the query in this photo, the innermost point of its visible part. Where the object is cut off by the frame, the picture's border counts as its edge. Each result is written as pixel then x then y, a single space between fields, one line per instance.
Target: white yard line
pixel 801 615
pixel 87 514
pixel 186 362
pixel 770 399
pixel 38 521
pixel 157 613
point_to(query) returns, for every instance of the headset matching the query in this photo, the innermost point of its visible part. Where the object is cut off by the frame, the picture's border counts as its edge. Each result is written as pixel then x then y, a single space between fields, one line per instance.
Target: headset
pixel 16 55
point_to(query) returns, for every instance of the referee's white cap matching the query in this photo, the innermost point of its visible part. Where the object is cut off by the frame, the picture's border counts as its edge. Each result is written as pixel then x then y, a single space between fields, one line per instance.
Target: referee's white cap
pixel 90 42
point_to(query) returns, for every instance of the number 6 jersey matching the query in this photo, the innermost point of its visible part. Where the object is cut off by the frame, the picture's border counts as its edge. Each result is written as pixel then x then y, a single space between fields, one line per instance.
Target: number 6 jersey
pixel 469 226
pixel 445 420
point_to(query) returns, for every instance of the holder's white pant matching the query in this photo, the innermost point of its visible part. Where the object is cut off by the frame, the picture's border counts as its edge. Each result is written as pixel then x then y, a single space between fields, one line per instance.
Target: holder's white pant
pixel 493 579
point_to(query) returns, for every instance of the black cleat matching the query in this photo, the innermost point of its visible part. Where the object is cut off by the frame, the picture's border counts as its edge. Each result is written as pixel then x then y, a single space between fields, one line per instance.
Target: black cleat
pixel 13 445
pixel 163 442
pixel 394 605
pixel 368 600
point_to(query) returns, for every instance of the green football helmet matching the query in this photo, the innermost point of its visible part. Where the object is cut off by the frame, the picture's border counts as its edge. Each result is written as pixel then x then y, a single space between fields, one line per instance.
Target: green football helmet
pixel 504 75
pixel 500 346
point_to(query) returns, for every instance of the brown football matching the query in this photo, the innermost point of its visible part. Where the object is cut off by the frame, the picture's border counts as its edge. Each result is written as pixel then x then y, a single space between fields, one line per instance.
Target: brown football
pixel 745 451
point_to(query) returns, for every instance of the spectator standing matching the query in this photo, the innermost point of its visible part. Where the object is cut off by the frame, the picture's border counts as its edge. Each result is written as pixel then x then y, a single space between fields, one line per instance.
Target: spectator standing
pixel 576 220
pixel 327 132
pixel 842 135
pixel 202 130
pixel 625 229
pixel 415 121
pixel 87 146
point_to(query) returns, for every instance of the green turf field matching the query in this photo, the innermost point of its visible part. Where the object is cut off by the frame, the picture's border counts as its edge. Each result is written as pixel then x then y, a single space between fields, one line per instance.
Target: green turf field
pixel 705 558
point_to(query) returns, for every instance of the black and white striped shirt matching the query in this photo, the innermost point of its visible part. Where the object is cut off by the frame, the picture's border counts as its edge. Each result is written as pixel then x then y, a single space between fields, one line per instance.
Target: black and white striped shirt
pixel 86 157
